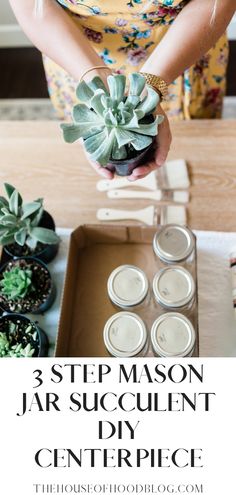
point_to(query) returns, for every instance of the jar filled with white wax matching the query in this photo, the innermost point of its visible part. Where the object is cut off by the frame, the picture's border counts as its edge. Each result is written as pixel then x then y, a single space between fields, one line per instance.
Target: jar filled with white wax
pixel 128 287
pixel 174 288
pixel 125 335
pixel 173 335
pixel 174 244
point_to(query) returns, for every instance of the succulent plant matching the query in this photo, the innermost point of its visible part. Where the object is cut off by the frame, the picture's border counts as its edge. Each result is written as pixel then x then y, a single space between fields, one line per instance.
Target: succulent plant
pixel 4 344
pixel 16 283
pixel 18 350
pixel 18 338
pixel 14 350
pixel 19 221
pixel 114 125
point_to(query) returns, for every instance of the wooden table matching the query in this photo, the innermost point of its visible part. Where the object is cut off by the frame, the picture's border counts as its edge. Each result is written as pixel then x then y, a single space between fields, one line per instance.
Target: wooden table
pixel 35 159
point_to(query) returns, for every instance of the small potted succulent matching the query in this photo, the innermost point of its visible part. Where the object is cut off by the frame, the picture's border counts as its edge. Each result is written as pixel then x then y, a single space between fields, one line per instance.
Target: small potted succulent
pixel 20 337
pixel 26 229
pixel 26 286
pixel 118 128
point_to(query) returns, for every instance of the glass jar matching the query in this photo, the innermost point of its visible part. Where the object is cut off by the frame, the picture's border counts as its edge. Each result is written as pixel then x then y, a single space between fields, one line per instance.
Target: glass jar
pixel 173 335
pixel 125 335
pixel 127 287
pixel 174 288
pixel 174 243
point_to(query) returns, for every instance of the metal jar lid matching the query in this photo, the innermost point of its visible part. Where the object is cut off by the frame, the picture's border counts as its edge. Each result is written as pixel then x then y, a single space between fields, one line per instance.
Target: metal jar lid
pixel 173 243
pixel 173 335
pixel 125 334
pixel 173 287
pixel 127 286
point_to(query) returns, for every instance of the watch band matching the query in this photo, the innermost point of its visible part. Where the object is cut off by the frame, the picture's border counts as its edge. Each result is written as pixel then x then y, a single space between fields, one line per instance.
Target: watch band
pixel 157 83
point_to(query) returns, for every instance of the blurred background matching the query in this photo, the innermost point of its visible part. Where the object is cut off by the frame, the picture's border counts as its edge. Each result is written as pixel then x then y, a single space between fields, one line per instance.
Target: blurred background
pixel 23 89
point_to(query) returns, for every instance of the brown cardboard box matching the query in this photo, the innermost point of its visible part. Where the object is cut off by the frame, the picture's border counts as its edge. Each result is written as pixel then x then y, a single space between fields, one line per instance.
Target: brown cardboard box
pixel 96 250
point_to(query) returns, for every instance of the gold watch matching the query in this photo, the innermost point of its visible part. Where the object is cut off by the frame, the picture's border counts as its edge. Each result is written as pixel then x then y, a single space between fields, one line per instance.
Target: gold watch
pixel 157 83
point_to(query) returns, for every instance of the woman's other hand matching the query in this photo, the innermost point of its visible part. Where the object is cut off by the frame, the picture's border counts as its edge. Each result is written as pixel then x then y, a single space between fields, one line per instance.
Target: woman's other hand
pixel 103 171
pixel 163 142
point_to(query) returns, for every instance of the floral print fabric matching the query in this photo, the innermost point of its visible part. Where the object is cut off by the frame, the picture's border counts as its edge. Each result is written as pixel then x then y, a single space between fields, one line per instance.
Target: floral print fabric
pixel 124 33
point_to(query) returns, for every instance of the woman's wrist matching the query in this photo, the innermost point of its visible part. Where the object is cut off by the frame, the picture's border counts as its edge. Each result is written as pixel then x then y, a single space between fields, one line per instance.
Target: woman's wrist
pixel 157 83
pixel 160 71
pixel 94 68
pixel 96 71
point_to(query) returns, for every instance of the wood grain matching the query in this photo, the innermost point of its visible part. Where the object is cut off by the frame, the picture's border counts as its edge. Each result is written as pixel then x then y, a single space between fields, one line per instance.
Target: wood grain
pixel 35 159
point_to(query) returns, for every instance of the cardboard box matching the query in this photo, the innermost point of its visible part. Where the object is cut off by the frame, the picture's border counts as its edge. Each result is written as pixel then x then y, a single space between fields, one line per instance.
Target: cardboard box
pixel 96 250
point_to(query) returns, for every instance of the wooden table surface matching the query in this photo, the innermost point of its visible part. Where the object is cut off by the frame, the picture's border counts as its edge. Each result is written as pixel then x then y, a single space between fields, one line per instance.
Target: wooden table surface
pixel 34 158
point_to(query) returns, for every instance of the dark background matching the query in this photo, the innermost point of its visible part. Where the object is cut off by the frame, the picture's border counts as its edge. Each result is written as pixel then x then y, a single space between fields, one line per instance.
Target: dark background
pixel 22 74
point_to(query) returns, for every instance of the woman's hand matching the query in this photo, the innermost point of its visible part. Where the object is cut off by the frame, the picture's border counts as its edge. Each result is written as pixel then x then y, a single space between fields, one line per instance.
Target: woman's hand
pixel 103 171
pixel 163 142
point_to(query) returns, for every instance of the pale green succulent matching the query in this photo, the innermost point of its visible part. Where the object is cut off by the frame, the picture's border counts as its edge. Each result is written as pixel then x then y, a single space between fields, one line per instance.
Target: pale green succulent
pixel 9 347
pixel 4 344
pixel 20 351
pixel 19 221
pixel 17 350
pixel 16 283
pixel 112 124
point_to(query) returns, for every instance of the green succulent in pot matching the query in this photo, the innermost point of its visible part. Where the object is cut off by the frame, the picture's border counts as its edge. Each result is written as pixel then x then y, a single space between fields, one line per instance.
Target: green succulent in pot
pixel 16 283
pixel 26 286
pixel 21 338
pixel 15 350
pixel 22 224
pixel 117 127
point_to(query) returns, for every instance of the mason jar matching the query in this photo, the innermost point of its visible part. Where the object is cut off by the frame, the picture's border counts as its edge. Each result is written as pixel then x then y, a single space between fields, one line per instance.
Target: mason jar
pixel 174 288
pixel 173 335
pixel 125 335
pixel 174 243
pixel 127 287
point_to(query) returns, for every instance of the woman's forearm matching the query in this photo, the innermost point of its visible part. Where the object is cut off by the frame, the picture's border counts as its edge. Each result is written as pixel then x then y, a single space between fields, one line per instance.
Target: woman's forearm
pixel 56 35
pixel 191 35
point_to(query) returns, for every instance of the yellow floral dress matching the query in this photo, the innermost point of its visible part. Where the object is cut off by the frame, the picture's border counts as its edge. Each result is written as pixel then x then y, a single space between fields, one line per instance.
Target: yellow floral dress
pixel 124 33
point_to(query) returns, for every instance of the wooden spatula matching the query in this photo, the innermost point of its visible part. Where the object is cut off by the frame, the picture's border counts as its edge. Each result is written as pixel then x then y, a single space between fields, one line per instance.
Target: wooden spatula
pixel 150 215
pixel 158 195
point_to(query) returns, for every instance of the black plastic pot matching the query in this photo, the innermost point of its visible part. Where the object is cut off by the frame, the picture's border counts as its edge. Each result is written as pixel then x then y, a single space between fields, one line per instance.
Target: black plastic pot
pixel 47 253
pixel 126 167
pixel 46 304
pixel 41 348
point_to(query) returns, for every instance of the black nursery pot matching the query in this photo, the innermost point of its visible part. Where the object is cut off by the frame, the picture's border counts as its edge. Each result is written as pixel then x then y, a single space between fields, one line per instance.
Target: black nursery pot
pixel 41 344
pixel 45 252
pixel 126 167
pixel 48 293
